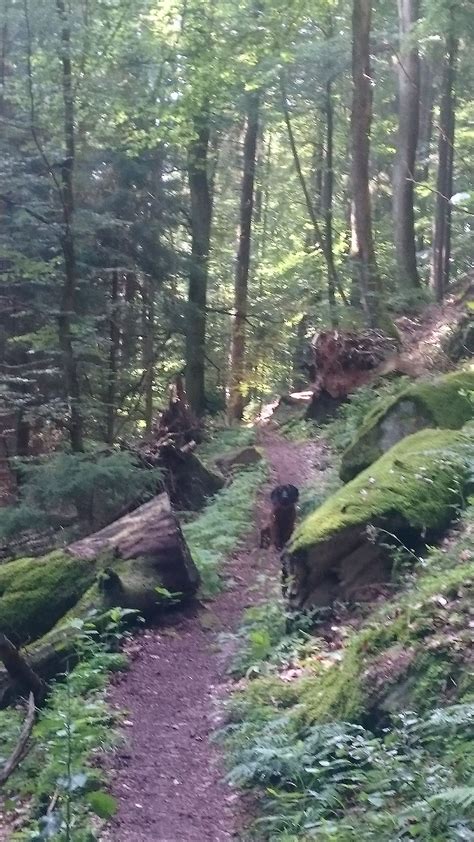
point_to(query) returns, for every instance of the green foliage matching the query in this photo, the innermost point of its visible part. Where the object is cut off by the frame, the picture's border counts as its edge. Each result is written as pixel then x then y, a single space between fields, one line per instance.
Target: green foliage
pixel 378 743
pixel 342 782
pixel 209 541
pixel 95 487
pixel 352 414
pixel 59 776
pixel 224 440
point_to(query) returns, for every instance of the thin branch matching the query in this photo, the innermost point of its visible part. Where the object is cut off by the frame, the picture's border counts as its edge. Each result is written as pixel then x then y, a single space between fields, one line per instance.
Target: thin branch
pixel 21 749
pixel 442 196
pixel 11 203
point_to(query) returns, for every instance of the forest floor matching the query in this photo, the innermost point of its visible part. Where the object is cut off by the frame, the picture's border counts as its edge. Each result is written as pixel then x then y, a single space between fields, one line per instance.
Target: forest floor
pixel 168 777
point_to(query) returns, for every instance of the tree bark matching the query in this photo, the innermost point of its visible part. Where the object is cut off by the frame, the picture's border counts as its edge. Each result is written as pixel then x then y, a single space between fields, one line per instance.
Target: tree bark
pixel 148 318
pixel 201 218
pixel 404 165
pixel 238 342
pixel 361 119
pixel 68 297
pixel 441 250
pixel 114 339
pixel 20 671
pixel 327 201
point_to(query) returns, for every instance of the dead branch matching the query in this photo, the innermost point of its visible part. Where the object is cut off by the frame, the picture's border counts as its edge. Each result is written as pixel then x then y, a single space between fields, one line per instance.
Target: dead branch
pixel 20 671
pixel 21 749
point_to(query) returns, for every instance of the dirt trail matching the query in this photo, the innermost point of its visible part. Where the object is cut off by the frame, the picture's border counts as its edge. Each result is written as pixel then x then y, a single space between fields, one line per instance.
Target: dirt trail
pixel 168 779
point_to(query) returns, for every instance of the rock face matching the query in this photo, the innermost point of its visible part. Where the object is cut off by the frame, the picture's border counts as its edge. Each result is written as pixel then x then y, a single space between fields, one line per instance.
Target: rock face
pixel 411 493
pixel 239 459
pixel 439 403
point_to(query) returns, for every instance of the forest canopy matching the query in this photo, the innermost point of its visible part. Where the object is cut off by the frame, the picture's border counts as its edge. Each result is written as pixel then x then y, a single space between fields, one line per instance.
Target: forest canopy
pixel 200 187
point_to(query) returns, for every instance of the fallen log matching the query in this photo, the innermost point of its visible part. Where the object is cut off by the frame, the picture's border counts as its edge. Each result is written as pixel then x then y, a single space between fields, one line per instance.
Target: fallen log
pixel 133 563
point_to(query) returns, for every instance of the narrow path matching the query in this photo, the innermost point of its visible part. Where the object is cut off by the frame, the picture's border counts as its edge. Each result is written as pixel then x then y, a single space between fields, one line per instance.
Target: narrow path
pixel 169 778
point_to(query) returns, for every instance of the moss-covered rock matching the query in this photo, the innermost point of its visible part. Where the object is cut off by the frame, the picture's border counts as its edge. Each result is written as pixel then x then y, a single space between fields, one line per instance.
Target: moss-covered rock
pixel 440 403
pixel 415 654
pixel 410 493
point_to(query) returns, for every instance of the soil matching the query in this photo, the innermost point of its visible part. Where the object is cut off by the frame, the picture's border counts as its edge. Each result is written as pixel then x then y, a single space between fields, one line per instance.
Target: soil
pixel 169 777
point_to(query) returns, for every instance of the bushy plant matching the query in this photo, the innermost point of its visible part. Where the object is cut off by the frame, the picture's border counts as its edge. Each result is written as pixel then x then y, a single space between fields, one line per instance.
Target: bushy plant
pixel 94 486
pixel 59 777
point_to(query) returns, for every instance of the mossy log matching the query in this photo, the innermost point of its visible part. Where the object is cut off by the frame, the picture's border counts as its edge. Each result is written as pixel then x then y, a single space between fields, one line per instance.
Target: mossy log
pixel 411 493
pixel 440 403
pixel 123 565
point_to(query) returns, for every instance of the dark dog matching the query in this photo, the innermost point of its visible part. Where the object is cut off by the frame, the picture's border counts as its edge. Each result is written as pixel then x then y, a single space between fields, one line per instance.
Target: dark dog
pixel 282 519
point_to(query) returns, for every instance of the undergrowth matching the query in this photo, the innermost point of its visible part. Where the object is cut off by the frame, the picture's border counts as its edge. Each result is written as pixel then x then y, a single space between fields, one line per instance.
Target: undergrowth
pixel 217 531
pixel 223 440
pixel 57 790
pixel 341 431
pixel 406 775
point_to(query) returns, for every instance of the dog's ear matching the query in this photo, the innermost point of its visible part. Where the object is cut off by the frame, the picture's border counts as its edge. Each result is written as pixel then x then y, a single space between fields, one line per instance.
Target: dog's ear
pixel 276 494
pixel 293 493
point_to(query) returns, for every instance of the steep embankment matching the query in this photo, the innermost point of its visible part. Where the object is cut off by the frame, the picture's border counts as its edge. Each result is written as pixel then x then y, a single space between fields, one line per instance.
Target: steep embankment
pixel 168 777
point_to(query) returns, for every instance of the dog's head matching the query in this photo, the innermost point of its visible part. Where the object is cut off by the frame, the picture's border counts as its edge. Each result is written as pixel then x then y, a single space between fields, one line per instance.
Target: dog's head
pixel 284 495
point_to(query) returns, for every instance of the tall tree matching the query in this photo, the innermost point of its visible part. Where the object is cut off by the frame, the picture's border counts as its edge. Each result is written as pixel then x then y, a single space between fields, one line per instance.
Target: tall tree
pixel 408 73
pixel 69 291
pixel 363 254
pixel 441 249
pixel 237 363
pixel 201 220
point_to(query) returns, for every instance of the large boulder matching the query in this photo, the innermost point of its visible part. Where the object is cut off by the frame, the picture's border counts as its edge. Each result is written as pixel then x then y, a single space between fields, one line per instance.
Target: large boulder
pixel 243 457
pixel 410 494
pixel 439 403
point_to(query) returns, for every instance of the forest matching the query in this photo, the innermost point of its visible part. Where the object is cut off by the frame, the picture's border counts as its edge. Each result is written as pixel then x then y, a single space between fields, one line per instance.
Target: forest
pixel 236 420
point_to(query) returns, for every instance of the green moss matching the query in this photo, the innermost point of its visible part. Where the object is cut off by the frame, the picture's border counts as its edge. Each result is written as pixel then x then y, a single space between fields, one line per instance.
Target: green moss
pixel 430 621
pixel 420 481
pixel 36 593
pixel 440 403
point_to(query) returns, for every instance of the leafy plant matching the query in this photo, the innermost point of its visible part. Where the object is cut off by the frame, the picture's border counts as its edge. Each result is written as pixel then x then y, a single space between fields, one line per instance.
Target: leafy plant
pixel 59 776
pixel 94 486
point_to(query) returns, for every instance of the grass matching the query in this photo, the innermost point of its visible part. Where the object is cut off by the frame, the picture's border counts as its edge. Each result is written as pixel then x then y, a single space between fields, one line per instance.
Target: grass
pixel 219 529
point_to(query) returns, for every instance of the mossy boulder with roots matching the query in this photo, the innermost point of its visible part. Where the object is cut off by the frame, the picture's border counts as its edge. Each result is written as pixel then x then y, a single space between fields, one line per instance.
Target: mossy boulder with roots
pixel 414 654
pixel 442 403
pixel 409 496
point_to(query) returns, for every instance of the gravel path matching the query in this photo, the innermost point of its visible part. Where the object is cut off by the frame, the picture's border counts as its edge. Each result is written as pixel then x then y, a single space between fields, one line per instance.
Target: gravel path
pixel 169 777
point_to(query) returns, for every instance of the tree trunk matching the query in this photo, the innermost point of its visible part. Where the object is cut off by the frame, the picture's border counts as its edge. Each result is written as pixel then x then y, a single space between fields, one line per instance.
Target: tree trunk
pixel 201 218
pixel 68 298
pixel 440 267
pixel 320 239
pixel 237 361
pixel 148 317
pixel 361 119
pixel 427 99
pixel 114 339
pixel 327 201
pixel 404 166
